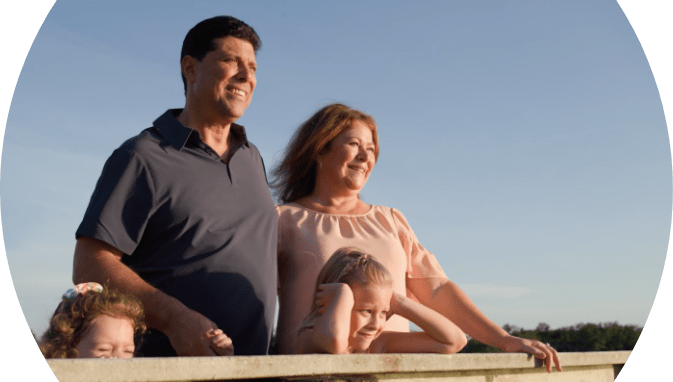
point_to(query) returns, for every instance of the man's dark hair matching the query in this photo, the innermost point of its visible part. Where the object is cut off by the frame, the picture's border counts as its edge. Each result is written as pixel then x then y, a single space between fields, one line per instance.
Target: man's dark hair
pixel 200 39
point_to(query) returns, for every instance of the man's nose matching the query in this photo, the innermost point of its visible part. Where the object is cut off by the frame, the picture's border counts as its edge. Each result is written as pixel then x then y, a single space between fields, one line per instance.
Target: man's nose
pixel 245 72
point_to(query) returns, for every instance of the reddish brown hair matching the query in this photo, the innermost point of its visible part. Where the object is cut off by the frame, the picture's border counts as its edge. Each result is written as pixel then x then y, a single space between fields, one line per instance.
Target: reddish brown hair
pixel 295 176
pixel 71 320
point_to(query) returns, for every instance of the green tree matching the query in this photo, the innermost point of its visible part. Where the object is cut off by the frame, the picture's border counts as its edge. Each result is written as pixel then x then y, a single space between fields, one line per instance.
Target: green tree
pixel 576 338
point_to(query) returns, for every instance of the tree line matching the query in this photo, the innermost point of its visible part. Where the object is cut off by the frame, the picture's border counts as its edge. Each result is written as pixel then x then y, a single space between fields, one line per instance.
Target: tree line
pixel 576 338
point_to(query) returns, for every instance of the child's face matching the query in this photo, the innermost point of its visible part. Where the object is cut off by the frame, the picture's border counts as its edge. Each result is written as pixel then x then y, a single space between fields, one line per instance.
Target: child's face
pixel 107 337
pixel 372 303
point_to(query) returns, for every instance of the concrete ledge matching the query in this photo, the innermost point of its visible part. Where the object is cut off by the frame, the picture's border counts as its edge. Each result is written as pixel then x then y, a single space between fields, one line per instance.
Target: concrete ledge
pixel 591 366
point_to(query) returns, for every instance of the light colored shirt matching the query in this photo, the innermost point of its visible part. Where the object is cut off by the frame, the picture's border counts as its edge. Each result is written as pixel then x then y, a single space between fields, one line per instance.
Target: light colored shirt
pixel 306 239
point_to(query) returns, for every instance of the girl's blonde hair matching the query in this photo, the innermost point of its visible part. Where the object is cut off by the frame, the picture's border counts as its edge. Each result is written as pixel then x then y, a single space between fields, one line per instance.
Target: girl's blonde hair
pixel 350 266
pixel 73 316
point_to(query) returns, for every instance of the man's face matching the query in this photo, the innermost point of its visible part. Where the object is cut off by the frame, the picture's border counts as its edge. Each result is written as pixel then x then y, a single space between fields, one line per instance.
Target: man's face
pixel 221 84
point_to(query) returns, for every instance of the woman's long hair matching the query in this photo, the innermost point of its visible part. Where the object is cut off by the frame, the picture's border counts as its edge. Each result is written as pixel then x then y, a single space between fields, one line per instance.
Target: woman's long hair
pixel 295 176
pixel 350 266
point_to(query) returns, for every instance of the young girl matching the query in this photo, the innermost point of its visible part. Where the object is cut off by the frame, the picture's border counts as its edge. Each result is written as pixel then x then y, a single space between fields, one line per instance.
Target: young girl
pixel 353 300
pixel 94 322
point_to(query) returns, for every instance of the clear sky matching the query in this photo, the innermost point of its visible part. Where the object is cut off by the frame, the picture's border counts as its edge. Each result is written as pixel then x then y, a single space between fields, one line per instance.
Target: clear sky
pixel 524 141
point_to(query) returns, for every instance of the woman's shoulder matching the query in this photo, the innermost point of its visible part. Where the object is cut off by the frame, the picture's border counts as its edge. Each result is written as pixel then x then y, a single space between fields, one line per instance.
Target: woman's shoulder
pixel 294 208
pixel 390 211
pixel 289 208
pixel 394 216
pixel 291 213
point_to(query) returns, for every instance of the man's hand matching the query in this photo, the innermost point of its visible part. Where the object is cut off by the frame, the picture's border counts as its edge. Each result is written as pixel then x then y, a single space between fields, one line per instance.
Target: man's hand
pixel 220 343
pixel 186 331
pixel 535 348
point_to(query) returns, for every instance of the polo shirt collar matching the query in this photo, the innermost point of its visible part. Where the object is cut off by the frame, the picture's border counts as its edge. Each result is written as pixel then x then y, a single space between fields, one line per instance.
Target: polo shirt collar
pixel 178 134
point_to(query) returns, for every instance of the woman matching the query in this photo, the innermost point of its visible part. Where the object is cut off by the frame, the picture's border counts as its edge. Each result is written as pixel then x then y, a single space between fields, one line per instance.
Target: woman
pixel 318 180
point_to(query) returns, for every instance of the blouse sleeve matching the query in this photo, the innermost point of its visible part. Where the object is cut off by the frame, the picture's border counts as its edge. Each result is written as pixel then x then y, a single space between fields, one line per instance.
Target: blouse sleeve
pixel 421 263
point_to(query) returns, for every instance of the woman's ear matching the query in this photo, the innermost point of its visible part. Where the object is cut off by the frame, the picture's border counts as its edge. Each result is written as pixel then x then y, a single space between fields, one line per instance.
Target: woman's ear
pixel 319 158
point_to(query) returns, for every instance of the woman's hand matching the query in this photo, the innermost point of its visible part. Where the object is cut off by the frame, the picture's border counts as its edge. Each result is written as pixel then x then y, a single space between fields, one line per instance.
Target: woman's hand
pixel 447 298
pixel 327 292
pixel 533 347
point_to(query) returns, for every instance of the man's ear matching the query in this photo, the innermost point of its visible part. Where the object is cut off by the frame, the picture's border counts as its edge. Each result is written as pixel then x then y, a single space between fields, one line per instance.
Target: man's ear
pixel 188 68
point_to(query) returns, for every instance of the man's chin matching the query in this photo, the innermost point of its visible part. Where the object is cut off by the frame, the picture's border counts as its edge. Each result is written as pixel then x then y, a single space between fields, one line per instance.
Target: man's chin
pixel 236 109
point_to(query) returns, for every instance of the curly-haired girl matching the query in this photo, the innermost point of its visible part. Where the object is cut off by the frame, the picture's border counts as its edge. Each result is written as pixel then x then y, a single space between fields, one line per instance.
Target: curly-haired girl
pixel 94 322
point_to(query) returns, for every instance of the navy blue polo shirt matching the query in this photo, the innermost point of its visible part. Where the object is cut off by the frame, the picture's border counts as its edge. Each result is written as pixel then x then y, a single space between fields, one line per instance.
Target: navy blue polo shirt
pixel 196 228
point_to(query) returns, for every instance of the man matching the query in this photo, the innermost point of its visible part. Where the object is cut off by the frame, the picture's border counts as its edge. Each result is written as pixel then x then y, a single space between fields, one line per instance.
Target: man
pixel 182 216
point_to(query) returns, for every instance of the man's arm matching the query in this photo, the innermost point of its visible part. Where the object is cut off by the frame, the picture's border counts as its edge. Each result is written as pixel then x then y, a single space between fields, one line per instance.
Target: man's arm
pixel 98 261
pixel 448 299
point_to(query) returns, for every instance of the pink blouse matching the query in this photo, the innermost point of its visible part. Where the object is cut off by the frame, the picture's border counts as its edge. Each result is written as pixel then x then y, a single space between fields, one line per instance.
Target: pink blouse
pixel 306 239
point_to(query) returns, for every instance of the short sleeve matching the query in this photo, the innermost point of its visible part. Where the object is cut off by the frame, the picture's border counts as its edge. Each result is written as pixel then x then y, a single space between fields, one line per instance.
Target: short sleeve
pixel 421 263
pixel 121 203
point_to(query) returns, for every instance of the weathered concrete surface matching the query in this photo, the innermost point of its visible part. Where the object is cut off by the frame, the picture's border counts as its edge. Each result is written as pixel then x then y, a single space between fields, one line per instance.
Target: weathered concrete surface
pixel 591 366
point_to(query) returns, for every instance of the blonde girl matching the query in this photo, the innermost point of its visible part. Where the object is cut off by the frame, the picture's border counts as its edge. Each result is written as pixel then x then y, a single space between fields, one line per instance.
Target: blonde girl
pixel 353 300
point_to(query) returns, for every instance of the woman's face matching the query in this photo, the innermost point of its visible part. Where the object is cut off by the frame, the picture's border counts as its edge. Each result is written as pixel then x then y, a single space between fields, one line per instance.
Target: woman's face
pixel 107 337
pixel 350 159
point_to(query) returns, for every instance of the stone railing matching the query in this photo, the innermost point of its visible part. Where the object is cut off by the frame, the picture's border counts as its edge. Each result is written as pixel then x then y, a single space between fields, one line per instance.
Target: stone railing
pixel 591 366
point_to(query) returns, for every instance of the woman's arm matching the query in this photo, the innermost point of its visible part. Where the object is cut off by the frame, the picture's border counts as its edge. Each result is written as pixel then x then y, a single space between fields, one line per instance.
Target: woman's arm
pixel 448 299
pixel 440 334
pixel 332 326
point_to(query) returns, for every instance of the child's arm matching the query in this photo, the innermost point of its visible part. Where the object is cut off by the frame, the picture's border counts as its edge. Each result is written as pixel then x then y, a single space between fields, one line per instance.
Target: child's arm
pixel 439 335
pixel 220 343
pixel 332 326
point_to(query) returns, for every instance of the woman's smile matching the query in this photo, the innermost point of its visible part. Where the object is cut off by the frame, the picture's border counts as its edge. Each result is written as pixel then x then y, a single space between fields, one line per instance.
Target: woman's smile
pixel 350 159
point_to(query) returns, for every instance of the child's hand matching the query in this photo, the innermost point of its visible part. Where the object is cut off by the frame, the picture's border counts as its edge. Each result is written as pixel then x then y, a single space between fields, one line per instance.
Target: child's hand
pixel 221 344
pixel 327 292
pixel 395 302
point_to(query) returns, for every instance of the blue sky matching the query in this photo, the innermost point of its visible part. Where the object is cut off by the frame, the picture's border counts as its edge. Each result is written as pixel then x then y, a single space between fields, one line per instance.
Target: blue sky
pixel 524 141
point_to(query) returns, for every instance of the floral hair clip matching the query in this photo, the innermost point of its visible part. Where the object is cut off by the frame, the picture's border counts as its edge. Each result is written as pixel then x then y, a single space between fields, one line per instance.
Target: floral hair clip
pixel 82 288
